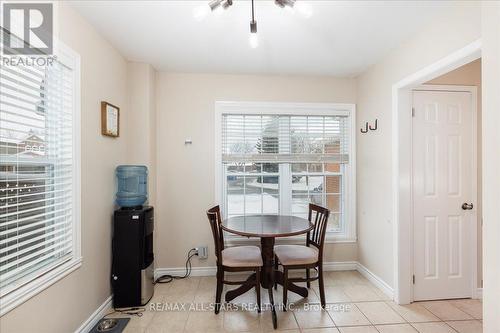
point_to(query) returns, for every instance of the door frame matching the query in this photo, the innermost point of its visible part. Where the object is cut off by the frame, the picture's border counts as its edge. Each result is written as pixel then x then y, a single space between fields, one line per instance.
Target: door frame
pixel 402 162
pixel 474 218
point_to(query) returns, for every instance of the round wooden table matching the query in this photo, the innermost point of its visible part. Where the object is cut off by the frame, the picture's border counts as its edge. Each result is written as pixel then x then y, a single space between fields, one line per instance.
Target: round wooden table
pixel 267 228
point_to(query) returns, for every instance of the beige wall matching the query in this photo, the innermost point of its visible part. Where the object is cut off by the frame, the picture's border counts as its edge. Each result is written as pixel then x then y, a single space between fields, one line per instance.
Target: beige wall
pixel 142 121
pixel 186 184
pixel 454 30
pixel 470 75
pixel 64 306
pixel 491 165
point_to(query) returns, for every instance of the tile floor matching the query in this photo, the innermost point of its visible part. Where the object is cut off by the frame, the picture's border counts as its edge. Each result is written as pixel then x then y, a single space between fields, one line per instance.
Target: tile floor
pixel 354 306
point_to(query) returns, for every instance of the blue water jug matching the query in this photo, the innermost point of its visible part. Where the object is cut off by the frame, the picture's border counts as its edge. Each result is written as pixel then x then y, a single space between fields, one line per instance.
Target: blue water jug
pixel 132 185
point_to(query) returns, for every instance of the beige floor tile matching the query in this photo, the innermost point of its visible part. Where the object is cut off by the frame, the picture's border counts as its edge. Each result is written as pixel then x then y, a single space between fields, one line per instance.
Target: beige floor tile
pixel 445 310
pixel 358 329
pixel 345 278
pixel 381 294
pixel 380 313
pixel 180 295
pixel 286 321
pixel 337 279
pixel 157 298
pixel 472 307
pixel 313 318
pixel 413 313
pixel 334 294
pixel 437 327
pixel 205 296
pixel 135 321
pixel 242 321
pixel 321 330
pixel 347 314
pixel 134 329
pixel 396 328
pixel 207 283
pixel 190 283
pixel 467 326
pixel 362 293
pixel 357 278
pixel 204 322
pixel 294 298
pixel 181 291
pixel 168 321
pixel 250 297
pixel 161 288
pixel 372 307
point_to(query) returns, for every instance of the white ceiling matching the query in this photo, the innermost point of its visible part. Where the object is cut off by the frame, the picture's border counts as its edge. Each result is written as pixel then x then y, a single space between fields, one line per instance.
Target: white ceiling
pixel 340 38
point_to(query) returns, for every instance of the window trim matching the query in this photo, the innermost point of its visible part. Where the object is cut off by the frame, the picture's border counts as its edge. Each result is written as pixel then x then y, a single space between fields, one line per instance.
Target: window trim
pixel 47 278
pixel 348 234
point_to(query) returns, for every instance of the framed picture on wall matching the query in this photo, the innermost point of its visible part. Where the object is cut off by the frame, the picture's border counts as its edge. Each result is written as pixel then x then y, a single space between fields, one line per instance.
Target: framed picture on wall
pixel 110 120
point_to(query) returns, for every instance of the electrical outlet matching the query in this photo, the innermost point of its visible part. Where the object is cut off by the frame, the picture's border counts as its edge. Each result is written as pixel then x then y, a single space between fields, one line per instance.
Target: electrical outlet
pixel 202 252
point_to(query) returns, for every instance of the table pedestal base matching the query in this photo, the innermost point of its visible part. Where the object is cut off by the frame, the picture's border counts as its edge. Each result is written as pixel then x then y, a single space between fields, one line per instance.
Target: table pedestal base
pixel 268 276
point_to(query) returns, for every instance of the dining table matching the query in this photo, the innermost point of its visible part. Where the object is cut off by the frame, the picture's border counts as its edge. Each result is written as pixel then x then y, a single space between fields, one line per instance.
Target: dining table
pixel 267 228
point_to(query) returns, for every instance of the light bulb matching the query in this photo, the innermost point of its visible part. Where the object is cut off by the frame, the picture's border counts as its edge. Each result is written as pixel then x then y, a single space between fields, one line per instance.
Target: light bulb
pixel 254 40
pixel 200 12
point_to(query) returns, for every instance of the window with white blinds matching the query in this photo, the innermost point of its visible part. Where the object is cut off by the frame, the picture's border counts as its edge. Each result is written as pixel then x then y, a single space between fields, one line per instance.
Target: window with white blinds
pixel 276 158
pixel 285 138
pixel 39 157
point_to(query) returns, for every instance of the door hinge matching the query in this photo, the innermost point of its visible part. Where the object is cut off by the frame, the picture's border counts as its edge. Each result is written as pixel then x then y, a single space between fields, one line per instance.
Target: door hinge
pixel 413 112
pixel 413 279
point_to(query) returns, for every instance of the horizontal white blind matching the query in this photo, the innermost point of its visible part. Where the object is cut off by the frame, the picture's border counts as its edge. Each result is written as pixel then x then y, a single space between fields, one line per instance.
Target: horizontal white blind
pixel 36 171
pixel 285 138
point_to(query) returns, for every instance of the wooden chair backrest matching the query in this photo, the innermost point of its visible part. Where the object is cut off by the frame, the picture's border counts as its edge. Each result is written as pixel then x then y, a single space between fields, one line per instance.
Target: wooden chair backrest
pixel 318 216
pixel 214 217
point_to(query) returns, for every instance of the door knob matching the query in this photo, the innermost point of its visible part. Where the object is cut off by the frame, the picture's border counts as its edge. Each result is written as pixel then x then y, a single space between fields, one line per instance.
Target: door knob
pixel 466 206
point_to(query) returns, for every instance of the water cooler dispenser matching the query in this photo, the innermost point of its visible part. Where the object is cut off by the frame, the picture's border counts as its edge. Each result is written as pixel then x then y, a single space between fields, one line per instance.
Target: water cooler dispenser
pixel 132 275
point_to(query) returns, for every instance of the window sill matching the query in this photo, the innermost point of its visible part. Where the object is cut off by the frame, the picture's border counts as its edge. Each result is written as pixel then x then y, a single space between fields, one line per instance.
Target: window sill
pixel 25 292
pixel 330 239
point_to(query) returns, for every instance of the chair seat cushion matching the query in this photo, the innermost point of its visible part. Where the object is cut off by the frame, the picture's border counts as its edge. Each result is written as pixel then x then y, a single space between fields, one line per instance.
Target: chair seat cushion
pixel 290 255
pixel 242 256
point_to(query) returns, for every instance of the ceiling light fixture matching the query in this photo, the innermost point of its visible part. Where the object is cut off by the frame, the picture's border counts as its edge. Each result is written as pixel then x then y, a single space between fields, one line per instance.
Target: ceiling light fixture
pixel 284 3
pixel 227 4
pixel 253 23
pixel 254 41
pixel 200 12
pixel 214 4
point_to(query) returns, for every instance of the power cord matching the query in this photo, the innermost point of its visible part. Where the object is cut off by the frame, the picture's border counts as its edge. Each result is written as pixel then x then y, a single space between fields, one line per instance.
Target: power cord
pixel 167 278
pixel 136 311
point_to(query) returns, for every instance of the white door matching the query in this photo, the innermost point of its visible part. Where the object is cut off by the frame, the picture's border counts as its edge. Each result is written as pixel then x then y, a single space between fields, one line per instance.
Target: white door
pixel 443 181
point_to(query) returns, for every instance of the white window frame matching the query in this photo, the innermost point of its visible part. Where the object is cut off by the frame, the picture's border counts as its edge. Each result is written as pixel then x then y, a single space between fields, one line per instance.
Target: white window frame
pixel 49 276
pixel 348 233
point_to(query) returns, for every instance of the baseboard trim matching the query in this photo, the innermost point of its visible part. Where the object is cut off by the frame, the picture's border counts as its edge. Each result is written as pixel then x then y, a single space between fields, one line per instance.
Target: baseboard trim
pixel 339 266
pixel 181 271
pixel 479 293
pixel 211 270
pixel 377 281
pixel 94 317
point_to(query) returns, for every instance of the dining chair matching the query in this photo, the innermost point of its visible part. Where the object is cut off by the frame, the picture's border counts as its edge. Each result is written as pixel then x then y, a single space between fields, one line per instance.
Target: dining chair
pixel 307 256
pixel 233 259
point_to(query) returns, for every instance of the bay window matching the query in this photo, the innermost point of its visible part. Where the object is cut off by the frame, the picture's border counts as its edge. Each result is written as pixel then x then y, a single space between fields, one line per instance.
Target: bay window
pixel 276 158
